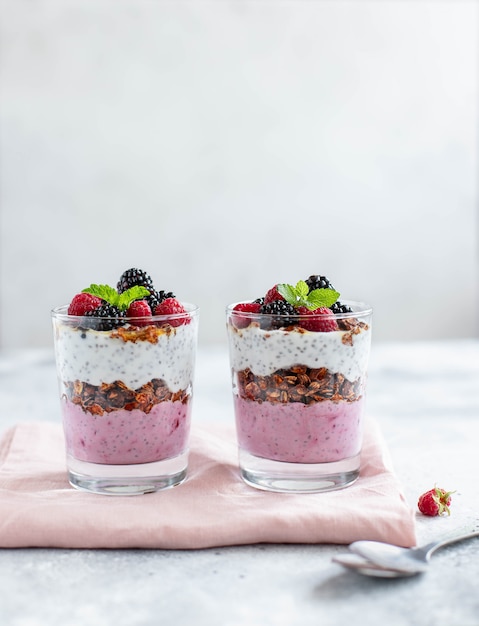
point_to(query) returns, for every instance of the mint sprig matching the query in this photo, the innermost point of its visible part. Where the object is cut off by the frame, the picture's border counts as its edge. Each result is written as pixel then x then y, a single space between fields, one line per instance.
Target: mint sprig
pixel 121 300
pixel 299 295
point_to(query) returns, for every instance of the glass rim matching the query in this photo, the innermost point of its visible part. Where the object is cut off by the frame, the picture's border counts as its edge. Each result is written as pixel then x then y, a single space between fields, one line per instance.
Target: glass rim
pixel 360 309
pixel 60 313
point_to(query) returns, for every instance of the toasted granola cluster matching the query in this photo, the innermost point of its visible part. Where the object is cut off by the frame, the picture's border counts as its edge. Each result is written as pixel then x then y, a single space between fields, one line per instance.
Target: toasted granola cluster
pixel 353 327
pixel 298 384
pixel 107 398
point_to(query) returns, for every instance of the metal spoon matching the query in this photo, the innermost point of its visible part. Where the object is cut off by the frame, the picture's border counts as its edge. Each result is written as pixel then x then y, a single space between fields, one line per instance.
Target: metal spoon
pixel 375 558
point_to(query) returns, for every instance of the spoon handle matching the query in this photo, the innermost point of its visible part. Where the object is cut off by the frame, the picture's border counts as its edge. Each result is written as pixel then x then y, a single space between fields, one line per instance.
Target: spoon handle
pixel 466 532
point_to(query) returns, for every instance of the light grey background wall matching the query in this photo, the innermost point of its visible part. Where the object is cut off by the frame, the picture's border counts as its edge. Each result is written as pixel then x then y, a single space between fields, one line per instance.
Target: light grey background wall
pixel 227 146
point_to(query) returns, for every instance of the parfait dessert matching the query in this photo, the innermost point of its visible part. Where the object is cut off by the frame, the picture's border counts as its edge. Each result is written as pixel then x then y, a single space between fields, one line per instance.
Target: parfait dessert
pixel 299 362
pixel 125 361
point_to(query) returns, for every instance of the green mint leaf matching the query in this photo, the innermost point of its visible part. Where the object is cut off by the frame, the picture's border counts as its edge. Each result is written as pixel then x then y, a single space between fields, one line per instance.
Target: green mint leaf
pixel 121 300
pixel 105 292
pixel 294 295
pixel 301 289
pixel 288 292
pixel 321 297
pixel 130 295
pixel 298 295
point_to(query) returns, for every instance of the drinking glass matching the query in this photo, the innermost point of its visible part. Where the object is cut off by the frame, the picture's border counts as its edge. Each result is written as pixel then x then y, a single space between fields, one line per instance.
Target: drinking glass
pixel 299 396
pixel 126 396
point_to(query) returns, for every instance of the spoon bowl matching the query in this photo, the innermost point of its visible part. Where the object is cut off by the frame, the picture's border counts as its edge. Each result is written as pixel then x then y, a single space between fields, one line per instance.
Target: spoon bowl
pixel 363 566
pixel 375 558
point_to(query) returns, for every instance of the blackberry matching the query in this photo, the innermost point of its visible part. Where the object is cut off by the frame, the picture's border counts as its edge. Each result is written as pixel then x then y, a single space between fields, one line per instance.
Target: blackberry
pixel 337 307
pixel 156 297
pixel 133 277
pixel 259 300
pixel 280 312
pixel 318 282
pixel 104 310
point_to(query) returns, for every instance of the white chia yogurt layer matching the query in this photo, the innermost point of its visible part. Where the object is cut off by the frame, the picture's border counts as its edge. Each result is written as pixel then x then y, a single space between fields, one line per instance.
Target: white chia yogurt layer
pixel 266 351
pixel 98 357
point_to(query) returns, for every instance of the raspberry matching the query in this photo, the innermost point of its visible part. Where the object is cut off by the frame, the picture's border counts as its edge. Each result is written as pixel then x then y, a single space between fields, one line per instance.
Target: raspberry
pixel 83 302
pixel 133 277
pixel 272 295
pixel 139 308
pixel 322 319
pixel 435 502
pixel 171 306
pixel 242 321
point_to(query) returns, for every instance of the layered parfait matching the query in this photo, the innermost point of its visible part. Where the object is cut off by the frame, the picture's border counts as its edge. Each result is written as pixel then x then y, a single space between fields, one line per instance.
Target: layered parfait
pixel 125 361
pixel 299 361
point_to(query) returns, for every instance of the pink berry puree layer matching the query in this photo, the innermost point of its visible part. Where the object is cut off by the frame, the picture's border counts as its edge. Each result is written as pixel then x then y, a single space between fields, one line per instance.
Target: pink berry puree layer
pixel 127 437
pixel 293 432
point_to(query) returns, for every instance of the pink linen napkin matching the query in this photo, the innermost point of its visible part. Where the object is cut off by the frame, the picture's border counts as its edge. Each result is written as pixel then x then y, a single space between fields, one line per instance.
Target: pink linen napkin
pixel 213 507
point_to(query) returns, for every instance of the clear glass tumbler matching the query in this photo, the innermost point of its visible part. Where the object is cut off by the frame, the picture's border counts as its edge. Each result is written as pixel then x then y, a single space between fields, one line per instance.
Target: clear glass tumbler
pixel 126 396
pixel 299 397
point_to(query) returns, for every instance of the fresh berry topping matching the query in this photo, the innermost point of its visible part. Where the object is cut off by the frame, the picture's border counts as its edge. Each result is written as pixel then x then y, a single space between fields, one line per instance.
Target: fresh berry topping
pixel 319 320
pixel 272 295
pixel 113 317
pixel 82 303
pixel 156 297
pixel 318 282
pixel 242 321
pixel 139 308
pixel 435 502
pixel 133 277
pixel 280 312
pixel 171 306
pixel 314 300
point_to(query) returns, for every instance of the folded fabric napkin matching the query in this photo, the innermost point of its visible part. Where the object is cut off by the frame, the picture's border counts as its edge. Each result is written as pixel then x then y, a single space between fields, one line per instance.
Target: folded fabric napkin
pixel 213 507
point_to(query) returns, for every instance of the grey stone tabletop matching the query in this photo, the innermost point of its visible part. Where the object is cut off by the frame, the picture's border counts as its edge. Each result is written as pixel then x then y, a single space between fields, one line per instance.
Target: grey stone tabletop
pixel 425 397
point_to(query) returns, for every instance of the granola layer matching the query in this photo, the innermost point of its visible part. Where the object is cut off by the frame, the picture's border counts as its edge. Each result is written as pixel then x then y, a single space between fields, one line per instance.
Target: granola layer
pixel 116 396
pixel 298 384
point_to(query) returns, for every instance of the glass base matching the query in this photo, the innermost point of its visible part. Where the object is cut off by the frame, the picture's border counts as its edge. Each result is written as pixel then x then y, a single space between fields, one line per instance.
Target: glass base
pixel 297 477
pixel 127 480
